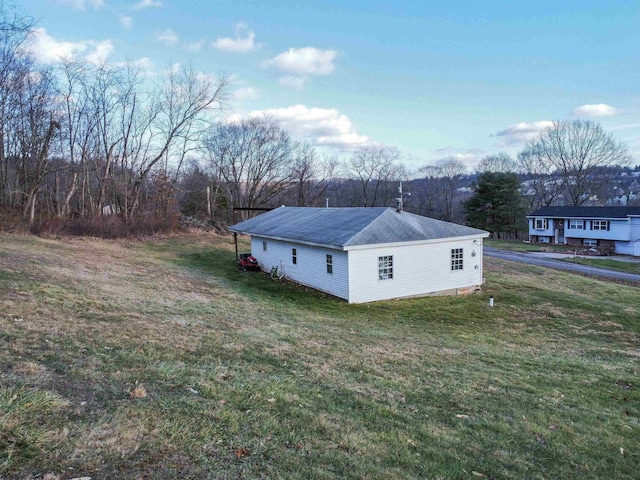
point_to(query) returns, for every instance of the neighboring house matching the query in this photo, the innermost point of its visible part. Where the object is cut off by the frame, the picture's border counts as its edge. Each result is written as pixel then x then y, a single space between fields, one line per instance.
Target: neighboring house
pixel 611 229
pixel 367 254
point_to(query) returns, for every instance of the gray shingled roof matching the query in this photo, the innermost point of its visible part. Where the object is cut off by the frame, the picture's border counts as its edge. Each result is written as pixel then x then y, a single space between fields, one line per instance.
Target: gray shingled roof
pixel 586 212
pixel 343 227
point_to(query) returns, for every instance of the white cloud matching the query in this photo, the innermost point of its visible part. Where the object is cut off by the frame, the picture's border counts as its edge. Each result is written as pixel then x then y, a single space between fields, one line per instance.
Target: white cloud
pixel 144 65
pixel 306 61
pixel 322 127
pixel 82 4
pixel 469 157
pixel 47 49
pixel 522 132
pixel 298 64
pixel 596 110
pixel 239 44
pixel 195 46
pixel 101 52
pixel 168 37
pixel 293 82
pixel 173 69
pixel 126 21
pixel 246 93
pixel 146 4
pixel 626 126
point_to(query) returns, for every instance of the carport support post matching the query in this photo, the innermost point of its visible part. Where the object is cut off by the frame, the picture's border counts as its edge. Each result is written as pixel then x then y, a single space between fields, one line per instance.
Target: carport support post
pixel 235 240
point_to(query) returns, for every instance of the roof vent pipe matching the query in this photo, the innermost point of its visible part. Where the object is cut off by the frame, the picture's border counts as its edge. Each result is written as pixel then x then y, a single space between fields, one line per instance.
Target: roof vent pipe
pixel 400 199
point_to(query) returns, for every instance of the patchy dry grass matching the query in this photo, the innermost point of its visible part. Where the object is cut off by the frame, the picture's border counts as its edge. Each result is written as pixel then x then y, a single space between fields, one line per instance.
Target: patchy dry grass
pixel 159 359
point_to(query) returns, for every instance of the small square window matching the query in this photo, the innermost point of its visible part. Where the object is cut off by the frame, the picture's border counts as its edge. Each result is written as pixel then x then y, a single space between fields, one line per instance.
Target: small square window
pixel 599 224
pixel 330 264
pixel 294 256
pixel 541 224
pixel 457 259
pixel 576 224
pixel 385 267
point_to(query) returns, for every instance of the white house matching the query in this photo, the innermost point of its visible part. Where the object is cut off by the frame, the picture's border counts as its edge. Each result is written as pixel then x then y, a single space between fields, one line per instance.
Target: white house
pixel 611 229
pixel 367 254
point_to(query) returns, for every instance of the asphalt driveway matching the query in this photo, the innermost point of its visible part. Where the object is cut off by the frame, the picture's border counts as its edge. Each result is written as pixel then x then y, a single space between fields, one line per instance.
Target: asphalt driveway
pixel 558 264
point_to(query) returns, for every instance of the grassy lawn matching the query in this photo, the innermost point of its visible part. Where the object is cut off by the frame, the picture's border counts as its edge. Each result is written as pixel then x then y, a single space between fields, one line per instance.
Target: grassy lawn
pixel 514 245
pixel 609 263
pixel 159 359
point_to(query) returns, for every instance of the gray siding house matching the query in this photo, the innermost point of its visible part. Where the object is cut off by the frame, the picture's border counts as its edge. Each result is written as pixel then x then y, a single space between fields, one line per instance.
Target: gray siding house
pixel 611 229
pixel 367 254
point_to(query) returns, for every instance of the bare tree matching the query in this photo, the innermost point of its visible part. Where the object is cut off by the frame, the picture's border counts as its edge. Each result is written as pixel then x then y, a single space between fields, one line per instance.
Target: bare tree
pixel 449 173
pixel 177 118
pixel 375 168
pixel 500 162
pixel 574 151
pixel 310 175
pixel 15 65
pixel 541 187
pixel 33 128
pixel 252 158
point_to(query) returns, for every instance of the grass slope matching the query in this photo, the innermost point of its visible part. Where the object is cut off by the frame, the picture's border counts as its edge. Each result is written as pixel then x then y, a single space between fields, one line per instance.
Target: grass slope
pixel 611 264
pixel 160 360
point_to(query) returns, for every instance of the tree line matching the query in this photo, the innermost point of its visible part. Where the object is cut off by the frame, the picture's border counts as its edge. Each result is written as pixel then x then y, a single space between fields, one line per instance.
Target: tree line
pixel 98 145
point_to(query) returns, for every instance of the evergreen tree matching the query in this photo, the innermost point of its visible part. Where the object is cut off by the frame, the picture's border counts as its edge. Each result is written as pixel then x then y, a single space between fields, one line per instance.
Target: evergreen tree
pixel 497 204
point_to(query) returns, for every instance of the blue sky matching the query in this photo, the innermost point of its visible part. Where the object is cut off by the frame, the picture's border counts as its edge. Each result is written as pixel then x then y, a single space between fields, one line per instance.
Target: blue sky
pixel 436 79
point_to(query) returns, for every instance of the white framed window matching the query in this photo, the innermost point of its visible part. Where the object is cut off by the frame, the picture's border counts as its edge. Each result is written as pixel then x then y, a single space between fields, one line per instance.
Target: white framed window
pixel 576 224
pixel 599 224
pixel 294 256
pixel 330 264
pixel 385 267
pixel 457 259
pixel 264 245
pixel 590 242
pixel 541 224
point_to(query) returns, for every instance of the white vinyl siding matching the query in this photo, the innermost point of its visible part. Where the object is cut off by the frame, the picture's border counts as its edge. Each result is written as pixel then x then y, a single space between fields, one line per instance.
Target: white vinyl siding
pixel 311 265
pixel 421 269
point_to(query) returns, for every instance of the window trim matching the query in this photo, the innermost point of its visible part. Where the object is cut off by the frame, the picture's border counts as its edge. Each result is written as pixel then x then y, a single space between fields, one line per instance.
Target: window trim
pixel 576 224
pixel 457 259
pixel 600 224
pixel 540 223
pixel 329 259
pixel 385 267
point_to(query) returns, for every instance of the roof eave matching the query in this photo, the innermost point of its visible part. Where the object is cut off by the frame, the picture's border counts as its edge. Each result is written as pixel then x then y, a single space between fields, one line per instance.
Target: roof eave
pixel 582 217
pixel 417 242
pixel 331 246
